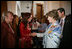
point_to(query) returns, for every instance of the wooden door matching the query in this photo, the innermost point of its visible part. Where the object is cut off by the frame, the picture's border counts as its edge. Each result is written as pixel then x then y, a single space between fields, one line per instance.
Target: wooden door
pixel 39 11
pixel 3 6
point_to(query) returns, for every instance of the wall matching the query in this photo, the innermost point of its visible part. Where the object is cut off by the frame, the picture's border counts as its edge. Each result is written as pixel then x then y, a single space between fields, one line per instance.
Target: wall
pixel 24 6
pixel 11 5
pixel 47 6
pixel 53 5
pixel 19 6
pixel 57 4
pixel 67 6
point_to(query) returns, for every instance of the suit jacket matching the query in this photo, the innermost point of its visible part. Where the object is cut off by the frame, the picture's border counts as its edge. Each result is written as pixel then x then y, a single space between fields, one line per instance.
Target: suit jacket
pixel 7 36
pixel 66 40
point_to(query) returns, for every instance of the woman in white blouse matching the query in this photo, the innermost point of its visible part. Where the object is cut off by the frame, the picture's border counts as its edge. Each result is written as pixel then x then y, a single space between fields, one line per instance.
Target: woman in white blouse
pixel 51 37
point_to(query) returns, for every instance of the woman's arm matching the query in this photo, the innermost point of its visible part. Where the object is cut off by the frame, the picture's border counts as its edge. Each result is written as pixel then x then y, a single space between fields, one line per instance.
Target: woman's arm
pixel 37 34
pixel 40 34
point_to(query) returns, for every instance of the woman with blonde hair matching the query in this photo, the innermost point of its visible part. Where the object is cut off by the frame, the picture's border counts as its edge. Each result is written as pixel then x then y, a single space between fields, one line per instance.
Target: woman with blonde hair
pixel 51 37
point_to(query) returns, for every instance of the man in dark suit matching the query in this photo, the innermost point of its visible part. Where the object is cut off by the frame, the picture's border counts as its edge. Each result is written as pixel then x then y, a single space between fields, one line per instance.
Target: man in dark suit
pixel 65 22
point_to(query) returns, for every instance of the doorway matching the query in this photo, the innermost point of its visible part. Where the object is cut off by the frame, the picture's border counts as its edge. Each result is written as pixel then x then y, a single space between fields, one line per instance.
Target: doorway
pixel 39 11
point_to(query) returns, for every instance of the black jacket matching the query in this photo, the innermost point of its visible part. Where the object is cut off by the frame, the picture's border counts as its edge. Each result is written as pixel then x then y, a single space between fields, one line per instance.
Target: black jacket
pixel 66 40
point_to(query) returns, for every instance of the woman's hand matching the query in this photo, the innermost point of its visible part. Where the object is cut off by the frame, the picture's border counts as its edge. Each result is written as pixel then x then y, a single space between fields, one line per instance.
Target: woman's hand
pixel 28 28
pixel 31 41
pixel 33 34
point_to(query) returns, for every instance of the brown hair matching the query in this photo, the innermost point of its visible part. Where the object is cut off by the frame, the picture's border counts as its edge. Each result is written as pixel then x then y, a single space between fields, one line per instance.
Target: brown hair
pixel 61 10
pixel 25 19
pixel 14 19
pixel 53 14
pixel 6 13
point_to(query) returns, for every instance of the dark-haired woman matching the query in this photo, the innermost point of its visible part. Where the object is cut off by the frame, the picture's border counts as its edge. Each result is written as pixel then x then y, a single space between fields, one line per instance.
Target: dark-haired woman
pixel 25 31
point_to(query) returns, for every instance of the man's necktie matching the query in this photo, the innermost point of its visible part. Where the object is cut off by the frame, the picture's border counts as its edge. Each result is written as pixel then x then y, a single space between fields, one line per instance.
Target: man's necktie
pixel 61 22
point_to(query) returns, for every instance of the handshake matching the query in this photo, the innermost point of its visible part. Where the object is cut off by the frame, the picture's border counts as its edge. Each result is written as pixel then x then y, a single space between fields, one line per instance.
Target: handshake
pixel 33 34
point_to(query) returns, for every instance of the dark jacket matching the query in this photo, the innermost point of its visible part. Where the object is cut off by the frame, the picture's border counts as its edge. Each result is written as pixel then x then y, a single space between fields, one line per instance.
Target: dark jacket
pixel 66 40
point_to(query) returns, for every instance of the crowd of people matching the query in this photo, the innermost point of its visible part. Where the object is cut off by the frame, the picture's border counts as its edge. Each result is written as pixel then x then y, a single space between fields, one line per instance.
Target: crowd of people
pixel 28 32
